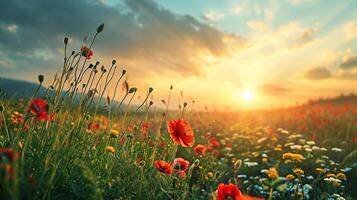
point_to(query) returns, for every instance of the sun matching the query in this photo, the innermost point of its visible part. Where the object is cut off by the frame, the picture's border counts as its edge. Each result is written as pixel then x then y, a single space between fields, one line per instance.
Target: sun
pixel 248 95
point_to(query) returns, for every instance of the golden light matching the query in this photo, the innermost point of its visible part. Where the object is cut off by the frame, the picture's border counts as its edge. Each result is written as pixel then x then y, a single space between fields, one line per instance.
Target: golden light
pixel 248 95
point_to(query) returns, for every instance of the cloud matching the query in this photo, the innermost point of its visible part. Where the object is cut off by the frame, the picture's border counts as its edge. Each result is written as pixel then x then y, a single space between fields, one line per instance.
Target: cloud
pixel 272 90
pixel 140 33
pixel 258 26
pixel 318 73
pixel 349 62
pixel 213 16
pixel 350 30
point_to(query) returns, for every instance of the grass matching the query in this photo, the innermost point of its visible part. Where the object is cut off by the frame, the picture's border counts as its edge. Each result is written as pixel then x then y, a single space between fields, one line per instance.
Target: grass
pixel 72 146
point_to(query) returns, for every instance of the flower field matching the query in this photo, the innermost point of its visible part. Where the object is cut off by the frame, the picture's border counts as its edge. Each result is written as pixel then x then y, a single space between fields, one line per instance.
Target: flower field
pixel 73 141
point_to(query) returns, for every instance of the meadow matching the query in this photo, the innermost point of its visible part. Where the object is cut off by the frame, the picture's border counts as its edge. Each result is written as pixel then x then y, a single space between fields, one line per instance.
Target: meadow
pixel 73 141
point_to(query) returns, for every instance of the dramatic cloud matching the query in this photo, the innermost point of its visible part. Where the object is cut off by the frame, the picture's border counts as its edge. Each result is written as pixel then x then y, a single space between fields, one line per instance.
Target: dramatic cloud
pixel 318 73
pixel 139 32
pixel 272 90
pixel 349 62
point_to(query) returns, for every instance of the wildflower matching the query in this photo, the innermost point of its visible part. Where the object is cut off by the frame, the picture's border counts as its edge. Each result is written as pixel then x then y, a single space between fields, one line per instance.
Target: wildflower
pixel 319 170
pixel 200 150
pixel 163 166
pixel 290 177
pixel 295 157
pixel 39 107
pixel 298 171
pixel 278 148
pixel 180 164
pixel 17 118
pixel 336 149
pixel 110 149
pixel 181 132
pixel 86 52
pixel 210 174
pixel 251 164
pixel 214 142
pixel 231 191
pixel 334 181
pixel 145 127
pixel 264 160
pixel 296 147
pixel 9 154
pixel 114 133
pixel 272 173
pixel 341 176
pixel 329 175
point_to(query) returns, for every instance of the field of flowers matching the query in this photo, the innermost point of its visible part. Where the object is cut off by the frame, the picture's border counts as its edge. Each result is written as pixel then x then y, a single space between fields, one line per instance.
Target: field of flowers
pixel 66 143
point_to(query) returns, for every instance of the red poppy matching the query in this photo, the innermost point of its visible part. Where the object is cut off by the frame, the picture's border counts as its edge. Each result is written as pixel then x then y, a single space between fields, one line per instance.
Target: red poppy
pixel 145 128
pixel 86 52
pixel 93 126
pixel 200 150
pixel 355 139
pixel 163 166
pixel 231 191
pixel 181 132
pixel 9 154
pixel 39 107
pixel 214 142
pixel 180 164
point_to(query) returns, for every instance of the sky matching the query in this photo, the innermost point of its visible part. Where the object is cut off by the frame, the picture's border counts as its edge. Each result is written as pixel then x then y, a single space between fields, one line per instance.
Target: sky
pixel 223 54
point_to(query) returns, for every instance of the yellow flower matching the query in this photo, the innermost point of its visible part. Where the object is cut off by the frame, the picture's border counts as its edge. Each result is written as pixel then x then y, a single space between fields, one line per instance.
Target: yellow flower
pixel 295 157
pixel 331 175
pixel 114 133
pixel 298 171
pixel 278 148
pixel 264 160
pixel 210 174
pixel 290 177
pixel 319 170
pixel 110 149
pixel 287 161
pixel 341 176
pixel 272 173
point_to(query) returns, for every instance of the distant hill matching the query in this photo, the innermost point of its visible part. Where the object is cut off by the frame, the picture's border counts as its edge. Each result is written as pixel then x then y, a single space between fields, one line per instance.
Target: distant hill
pixel 24 89
pixel 18 88
pixel 341 99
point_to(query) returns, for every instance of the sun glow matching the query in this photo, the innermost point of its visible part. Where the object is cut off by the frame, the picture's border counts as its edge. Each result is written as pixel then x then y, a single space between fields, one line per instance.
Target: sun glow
pixel 248 95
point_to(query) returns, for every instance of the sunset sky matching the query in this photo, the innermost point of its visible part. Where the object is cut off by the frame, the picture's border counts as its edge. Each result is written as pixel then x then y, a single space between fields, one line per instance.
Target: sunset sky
pixel 236 53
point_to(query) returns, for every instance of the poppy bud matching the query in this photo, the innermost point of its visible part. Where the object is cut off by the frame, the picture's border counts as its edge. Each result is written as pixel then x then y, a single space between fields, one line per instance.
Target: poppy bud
pixel 97 63
pixel 83 85
pixel 2 108
pixel 123 72
pixel 151 103
pixel 100 28
pixel 171 87
pixel 90 66
pixel 151 89
pixel 185 104
pixel 73 52
pixel 65 40
pixel 113 62
pixel 40 78
pixel 87 117
pixel 133 89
